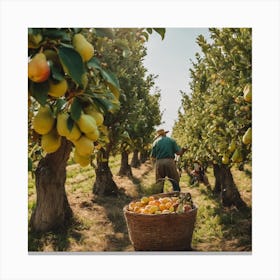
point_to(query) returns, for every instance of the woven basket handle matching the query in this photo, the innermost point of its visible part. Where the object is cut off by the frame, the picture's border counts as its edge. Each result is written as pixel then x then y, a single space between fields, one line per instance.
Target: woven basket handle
pixel 186 198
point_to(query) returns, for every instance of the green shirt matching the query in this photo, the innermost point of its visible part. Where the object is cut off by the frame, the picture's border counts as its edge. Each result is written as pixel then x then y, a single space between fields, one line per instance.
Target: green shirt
pixel 164 147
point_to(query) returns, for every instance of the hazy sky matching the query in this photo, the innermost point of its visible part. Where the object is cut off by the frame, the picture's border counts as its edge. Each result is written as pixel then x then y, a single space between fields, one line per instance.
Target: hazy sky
pixel 170 60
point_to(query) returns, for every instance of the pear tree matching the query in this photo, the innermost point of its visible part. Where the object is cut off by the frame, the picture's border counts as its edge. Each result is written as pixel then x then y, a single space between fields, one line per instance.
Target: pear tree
pixel 72 92
pixel 124 56
pixel 215 120
pixel 65 90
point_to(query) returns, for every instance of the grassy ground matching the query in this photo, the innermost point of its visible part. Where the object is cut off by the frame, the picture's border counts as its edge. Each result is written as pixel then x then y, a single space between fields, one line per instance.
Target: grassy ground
pixel 99 223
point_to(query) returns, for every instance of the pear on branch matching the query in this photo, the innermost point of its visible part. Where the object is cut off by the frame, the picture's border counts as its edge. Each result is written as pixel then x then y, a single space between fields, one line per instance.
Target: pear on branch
pixel 38 68
pixel 86 123
pixel 84 146
pixel 83 47
pixel 247 137
pixel 51 142
pixel 43 122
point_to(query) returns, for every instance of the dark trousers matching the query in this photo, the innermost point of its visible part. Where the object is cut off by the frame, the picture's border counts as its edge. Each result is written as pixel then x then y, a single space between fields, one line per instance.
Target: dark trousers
pixel 166 167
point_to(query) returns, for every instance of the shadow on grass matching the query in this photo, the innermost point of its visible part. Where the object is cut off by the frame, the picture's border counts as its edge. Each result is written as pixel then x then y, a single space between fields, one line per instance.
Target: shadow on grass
pixel 236 223
pixel 113 206
pixel 56 240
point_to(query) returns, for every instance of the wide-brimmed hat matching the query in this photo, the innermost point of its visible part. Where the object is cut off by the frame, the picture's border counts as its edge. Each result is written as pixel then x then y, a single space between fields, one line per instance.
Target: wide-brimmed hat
pixel 161 132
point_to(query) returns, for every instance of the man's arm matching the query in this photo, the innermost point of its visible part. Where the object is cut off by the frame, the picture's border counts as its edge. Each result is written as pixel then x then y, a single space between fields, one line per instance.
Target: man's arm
pixel 181 151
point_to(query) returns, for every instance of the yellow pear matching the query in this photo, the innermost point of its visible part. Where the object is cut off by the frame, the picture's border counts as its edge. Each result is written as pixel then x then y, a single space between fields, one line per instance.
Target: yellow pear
pixel 84 80
pixel 61 124
pixel 86 123
pixel 83 47
pixel 247 137
pixel 232 146
pixel 114 90
pixel 102 128
pixel 83 161
pixel 38 68
pixel 95 114
pixel 74 134
pixel 84 146
pixel 247 93
pixel 225 159
pixel 51 142
pixel 58 89
pixel 43 122
pixel 237 156
pixel 34 40
pixel 94 135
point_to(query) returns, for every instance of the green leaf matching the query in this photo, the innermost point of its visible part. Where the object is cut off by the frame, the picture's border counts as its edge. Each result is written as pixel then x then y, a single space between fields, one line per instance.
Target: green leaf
pixel 59 104
pixel 66 45
pixel 150 30
pixel 30 164
pixel 100 104
pixel 76 109
pixel 72 63
pixel 70 124
pixel 34 31
pixel 77 30
pixel 105 32
pixel 160 31
pixel 54 33
pixel 108 76
pixel 56 74
pixel 94 63
pixel 115 91
pixel 40 92
pixel 122 44
pixel 107 101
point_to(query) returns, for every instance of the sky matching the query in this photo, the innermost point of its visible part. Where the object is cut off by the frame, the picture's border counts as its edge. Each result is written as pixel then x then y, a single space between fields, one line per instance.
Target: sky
pixel 170 59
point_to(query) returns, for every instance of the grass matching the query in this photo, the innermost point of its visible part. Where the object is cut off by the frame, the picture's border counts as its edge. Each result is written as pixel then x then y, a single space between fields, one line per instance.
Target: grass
pixel 223 229
pixel 99 225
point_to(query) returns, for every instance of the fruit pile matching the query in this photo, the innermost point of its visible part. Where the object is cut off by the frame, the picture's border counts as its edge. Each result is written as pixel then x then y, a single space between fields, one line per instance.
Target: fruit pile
pixel 163 205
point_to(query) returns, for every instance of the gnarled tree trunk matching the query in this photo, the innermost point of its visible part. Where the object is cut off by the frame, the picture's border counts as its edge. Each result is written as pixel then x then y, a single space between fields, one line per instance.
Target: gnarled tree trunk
pixel 227 188
pixel 135 162
pixel 125 169
pixel 104 183
pixel 52 208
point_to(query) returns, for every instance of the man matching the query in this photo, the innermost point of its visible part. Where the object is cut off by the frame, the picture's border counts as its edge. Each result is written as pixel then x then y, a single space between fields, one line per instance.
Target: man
pixel 163 151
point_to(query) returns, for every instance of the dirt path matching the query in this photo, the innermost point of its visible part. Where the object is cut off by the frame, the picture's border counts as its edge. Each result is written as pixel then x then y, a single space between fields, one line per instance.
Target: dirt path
pixel 100 222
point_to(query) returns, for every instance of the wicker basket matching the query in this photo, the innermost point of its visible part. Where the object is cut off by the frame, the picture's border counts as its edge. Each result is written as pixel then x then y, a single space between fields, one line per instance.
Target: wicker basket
pixel 163 232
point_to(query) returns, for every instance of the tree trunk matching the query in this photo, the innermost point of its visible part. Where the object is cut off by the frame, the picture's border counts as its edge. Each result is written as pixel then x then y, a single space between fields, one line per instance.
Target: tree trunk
pixel 228 190
pixel 218 184
pixel 135 162
pixel 125 169
pixel 104 183
pixel 144 155
pixel 52 207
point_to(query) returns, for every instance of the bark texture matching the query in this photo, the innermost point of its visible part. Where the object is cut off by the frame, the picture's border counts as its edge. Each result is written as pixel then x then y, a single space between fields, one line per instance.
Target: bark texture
pixel 52 207
pixel 125 168
pixel 144 156
pixel 104 183
pixel 225 186
pixel 135 161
